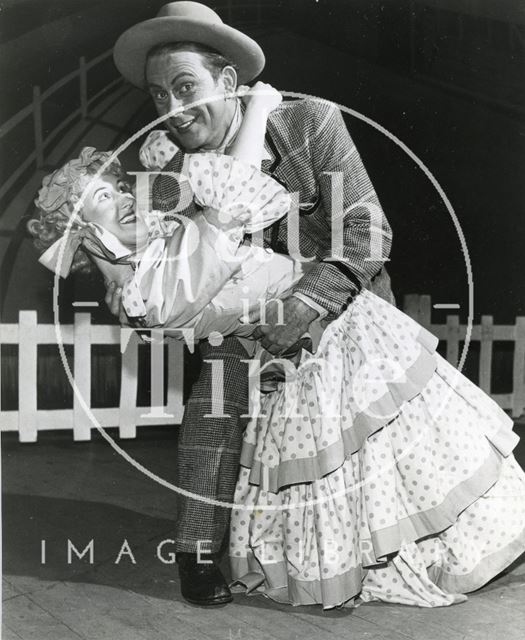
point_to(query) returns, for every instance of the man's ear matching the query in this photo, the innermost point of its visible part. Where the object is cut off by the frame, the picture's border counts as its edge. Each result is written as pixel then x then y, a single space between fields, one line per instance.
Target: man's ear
pixel 229 79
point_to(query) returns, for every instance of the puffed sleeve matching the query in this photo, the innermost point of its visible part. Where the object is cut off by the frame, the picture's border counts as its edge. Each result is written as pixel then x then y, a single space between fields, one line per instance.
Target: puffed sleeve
pixel 235 192
pixel 178 276
pixel 157 150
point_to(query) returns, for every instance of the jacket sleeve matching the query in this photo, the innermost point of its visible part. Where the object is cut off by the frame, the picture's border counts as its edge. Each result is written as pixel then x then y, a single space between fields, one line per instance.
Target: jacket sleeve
pixel 348 263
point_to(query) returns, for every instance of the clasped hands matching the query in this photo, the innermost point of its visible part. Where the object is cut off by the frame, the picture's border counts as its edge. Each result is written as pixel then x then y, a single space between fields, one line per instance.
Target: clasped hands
pixel 283 323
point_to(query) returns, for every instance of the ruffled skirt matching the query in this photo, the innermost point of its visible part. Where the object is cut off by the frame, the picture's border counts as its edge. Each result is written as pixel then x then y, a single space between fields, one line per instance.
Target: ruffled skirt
pixel 376 472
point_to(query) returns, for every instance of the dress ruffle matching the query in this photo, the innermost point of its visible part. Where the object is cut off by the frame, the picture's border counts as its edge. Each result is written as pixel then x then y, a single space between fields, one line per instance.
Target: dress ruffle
pixel 157 150
pixel 237 191
pixel 382 455
pixel 374 361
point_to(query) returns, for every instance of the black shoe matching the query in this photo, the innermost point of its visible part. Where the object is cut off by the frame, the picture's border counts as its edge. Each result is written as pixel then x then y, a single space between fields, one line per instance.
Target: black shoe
pixel 202 583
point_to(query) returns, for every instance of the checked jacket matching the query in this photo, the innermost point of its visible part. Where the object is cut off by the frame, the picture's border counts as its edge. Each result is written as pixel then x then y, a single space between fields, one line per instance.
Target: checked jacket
pixel 306 141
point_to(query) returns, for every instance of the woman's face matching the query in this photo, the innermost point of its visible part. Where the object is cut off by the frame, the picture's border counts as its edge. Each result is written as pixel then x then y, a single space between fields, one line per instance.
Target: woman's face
pixel 108 201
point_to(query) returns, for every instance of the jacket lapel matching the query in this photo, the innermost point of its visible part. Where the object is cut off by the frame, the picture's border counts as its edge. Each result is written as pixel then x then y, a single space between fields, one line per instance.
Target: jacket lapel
pixel 271 164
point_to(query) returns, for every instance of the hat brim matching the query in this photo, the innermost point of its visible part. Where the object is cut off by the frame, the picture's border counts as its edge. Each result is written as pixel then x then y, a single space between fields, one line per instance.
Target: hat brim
pixel 132 47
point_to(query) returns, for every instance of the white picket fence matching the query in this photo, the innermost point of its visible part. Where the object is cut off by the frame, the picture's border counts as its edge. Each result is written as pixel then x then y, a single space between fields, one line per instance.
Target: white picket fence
pixel 486 333
pixel 28 420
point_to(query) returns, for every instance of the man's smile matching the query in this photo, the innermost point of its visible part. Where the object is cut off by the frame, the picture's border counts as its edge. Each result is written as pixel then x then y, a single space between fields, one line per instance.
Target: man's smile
pixel 182 127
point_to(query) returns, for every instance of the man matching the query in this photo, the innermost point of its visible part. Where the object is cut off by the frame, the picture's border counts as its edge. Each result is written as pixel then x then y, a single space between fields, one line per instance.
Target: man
pixel 186 54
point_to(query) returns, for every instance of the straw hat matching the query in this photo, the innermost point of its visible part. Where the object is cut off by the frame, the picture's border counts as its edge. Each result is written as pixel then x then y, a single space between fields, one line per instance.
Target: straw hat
pixel 186 22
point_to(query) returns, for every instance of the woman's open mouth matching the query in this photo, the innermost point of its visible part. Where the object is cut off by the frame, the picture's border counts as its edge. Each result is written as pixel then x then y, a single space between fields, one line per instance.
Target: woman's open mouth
pixel 128 218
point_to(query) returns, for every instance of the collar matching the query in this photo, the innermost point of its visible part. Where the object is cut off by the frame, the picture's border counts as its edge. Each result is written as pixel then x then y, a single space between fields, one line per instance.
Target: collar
pixel 233 129
pixel 98 241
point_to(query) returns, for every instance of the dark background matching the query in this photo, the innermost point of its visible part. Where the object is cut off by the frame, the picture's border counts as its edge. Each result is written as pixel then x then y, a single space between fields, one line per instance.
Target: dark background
pixel 444 76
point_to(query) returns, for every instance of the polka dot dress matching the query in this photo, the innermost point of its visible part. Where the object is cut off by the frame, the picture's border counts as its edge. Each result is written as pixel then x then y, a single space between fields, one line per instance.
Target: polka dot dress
pixel 157 150
pixel 235 193
pixel 199 274
pixel 378 472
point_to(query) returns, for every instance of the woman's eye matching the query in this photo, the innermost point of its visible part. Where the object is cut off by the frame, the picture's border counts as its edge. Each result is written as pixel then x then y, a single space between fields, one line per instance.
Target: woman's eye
pixel 105 195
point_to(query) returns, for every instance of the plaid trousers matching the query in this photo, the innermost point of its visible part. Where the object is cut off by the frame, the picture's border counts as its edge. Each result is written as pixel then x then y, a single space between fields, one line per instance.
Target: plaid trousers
pixel 209 448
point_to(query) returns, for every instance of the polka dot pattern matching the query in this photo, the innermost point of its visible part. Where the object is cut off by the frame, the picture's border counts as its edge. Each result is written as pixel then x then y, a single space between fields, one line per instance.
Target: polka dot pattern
pixel 234 193
pixel 157 150
pixel 239 276
pixel 422 501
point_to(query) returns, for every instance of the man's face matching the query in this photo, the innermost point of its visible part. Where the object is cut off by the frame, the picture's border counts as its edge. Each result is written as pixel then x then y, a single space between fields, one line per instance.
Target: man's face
pixel 177 79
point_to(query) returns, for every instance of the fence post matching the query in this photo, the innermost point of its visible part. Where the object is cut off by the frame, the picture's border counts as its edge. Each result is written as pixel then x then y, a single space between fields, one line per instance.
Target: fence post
pixel 37 122
pixel 83 87
pixel 27 376
pixel 453 340
pixel 485 354
pixel 419 308
pixel 175 379
pixel 157 406
pixel 411 305
pixel 82 376
pixel 425 311
pixel 129 370
pixel 518 373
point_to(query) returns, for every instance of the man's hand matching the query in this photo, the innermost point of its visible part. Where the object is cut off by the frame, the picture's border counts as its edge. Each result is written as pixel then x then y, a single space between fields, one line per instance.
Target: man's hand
pixel 296 317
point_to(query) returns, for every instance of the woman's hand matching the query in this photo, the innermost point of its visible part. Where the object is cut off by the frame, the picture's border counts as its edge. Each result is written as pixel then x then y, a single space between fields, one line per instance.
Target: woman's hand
pixel 113 301
pixel 260 101
pixel 262 96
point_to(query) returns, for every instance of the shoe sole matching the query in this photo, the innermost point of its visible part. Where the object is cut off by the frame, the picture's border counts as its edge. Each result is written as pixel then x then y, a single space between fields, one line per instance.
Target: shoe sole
pixel 210 603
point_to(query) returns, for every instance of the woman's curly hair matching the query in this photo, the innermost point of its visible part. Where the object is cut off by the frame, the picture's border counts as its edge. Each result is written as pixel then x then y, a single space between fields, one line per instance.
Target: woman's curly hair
pixel 56 201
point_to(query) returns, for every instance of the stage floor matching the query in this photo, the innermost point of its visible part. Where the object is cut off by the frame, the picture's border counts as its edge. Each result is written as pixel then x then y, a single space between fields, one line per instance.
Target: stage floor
pixel 59 490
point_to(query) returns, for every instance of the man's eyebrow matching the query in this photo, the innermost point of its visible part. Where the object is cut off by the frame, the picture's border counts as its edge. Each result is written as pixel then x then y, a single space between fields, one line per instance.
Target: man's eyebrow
pixel 153 85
